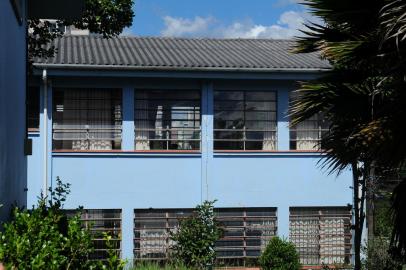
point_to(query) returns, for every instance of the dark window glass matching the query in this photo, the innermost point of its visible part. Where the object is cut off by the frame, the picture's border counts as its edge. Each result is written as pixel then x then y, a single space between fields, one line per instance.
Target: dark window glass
pixel 245 120
pixel 33 107
pixel 167 120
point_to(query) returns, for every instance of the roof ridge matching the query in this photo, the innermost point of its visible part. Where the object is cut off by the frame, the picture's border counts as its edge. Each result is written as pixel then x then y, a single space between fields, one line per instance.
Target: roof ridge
pixel 184 38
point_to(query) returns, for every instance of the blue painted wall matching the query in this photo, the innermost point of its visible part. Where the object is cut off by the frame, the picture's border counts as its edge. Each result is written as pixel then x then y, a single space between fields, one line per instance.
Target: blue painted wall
pixel 129 180
pixel 13 170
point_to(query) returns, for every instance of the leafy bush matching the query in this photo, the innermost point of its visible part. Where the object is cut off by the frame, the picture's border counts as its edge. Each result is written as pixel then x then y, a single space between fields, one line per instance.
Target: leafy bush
pixel 378 256
pixel 44 238
pixel 195 238
pixel 279 255
pixel 156 266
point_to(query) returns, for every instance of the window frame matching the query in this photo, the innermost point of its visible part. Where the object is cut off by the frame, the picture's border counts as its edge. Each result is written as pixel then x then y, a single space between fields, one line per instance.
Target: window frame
pixel 170 216
pixel 324 213
pixel 244 130
pixel 116 96
pixel 116 232
pixel 168 131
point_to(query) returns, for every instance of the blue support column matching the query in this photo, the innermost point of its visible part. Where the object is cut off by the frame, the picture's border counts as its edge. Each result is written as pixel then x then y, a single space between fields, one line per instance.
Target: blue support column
pixel 128 119
pixel 283 120
pixel 49 132
pixel 283 221
pixel 127 235
pixel 207 139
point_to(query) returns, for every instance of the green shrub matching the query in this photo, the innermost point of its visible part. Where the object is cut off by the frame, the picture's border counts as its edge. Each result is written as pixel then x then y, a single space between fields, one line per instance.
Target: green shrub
pixel 279 255
pixel 378 256
pixel 156 266
pixel 44 238
pixel 195 238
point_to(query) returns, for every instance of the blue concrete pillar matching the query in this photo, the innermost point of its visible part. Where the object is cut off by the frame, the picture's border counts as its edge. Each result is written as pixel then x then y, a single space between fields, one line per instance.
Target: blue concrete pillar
pixel 207 139
pixel 49 131
pixel 283 120
pixel 127 236
pixel 128 119
pixel 283 221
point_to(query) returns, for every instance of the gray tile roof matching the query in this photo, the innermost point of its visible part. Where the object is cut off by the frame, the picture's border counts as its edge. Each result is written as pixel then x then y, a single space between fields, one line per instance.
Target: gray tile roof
pixel 180 53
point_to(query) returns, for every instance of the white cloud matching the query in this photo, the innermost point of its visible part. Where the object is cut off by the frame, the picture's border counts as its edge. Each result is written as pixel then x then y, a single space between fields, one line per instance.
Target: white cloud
pixel 127 32
pixel 288 26
pixel 282 3
pixel 180 27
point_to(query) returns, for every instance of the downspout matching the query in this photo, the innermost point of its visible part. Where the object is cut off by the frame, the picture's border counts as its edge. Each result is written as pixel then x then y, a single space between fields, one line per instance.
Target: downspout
pixel 45 129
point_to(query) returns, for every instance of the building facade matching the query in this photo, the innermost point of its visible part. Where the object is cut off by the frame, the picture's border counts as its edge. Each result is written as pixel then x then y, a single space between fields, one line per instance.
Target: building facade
pixel 13 162
pixel 144 129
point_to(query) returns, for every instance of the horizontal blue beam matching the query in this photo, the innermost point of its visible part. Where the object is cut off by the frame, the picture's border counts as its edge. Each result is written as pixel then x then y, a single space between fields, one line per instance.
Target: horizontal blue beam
pixel 286 75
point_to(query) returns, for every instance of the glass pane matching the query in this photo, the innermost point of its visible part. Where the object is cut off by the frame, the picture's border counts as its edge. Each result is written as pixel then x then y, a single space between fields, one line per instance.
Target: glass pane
pixel 87 119
pixel 260 106
pixel 250 145
pixel 245 110
pixel 228 95
pixel 269 95
pixel 237 116
pixel 33 105
pixel 167 120
pixel 229 135
pixel 228 145
pixel 260 116
pixel 228 124
pixel 229 105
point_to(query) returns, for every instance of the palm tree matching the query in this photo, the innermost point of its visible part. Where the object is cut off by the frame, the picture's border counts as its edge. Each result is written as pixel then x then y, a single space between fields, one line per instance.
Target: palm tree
pixel 364 97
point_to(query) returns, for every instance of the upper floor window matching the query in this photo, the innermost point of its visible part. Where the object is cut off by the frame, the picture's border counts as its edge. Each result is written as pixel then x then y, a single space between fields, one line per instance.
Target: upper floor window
pixel 167 120
pixel 87 119
pixel 33 107
pixel 307 134
pixel 245 120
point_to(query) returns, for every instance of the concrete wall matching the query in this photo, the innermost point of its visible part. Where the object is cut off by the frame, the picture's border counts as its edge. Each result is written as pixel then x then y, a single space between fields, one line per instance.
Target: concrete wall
pixel 13 171
pixel 128 180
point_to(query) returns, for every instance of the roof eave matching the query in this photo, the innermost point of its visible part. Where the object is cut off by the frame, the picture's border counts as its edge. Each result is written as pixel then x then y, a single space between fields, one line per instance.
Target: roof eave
pixel 175 69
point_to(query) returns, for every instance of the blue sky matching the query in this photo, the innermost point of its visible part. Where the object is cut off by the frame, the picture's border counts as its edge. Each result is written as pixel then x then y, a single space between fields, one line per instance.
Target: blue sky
pixel 218 18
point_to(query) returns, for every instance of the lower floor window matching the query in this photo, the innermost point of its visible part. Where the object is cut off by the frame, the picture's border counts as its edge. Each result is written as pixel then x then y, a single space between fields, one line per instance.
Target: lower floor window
pixel 321 234
pixel 100 221
pixel 246 233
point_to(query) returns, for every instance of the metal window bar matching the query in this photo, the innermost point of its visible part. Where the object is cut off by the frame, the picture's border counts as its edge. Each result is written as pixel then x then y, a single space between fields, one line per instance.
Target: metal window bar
pixel 311 142
pixel 246 233
pixel 87 119
pixel 321 235
pixel 245 139
pixel 98 222
pixel 193 143
pixel 242 141
pixel 167 120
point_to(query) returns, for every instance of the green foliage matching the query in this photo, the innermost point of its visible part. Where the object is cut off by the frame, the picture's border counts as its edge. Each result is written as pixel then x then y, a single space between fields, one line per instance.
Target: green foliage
pixel 156 266
pixel 195 238
pixel 113 258
pixel 105 17
pixel 363 96
pixel 44 238
pixel 378 256
pixel 279 255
